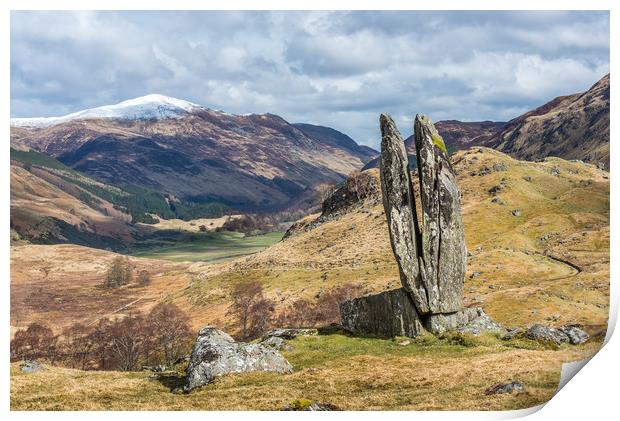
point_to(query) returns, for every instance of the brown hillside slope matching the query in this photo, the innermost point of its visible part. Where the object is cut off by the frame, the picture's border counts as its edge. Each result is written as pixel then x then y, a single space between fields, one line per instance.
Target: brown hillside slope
pixel 246 162
pixel 59 285
pixel 562 213
pixel 525 264
pixel 569 127
pixel 542 256
pixel 47 207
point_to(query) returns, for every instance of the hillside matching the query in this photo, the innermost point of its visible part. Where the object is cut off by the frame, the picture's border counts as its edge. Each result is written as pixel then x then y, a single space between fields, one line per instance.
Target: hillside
pixel 523 222
pixel 538 241
pixel 570 127
pixel 51 203
pixel 520 238
pixel 457 135
pixel 198 155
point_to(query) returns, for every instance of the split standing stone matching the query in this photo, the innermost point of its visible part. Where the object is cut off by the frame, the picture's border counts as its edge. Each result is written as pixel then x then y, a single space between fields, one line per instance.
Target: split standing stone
pixel 399 206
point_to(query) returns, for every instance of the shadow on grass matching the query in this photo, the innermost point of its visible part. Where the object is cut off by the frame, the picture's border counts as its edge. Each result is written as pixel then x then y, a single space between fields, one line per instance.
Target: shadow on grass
pixel 173 381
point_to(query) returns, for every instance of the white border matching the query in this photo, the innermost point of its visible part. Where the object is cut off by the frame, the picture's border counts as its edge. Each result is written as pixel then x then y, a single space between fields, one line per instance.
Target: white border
pixel 593 392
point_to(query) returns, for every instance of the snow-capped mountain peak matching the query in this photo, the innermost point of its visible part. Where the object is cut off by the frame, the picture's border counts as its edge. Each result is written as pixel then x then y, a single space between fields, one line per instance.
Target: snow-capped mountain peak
pixel 148 107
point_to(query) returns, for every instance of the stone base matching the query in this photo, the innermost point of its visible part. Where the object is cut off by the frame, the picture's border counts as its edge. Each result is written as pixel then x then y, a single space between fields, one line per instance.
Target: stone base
pixel 388 314
pixel 392 313
pixel 470 320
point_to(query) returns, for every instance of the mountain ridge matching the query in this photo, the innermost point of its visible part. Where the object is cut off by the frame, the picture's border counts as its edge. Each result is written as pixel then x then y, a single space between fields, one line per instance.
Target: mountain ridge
pixel 254 162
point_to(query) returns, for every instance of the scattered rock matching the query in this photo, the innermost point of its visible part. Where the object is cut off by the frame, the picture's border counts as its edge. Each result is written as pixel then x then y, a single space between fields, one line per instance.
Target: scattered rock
pixel 528 178
pixel 575 335
pixel 289 333
pixel 492 286
pixel 513 386
pixel 545 334
pixel 516 212
pixel 555 171
pixel 498 200
pixel 474 275
pixel 500 166
pixel 308 405
pixel 215 354
pixel 495 189
pixel 277 343
pixel 511 333
pixel 30 366
pixel 404 343
pixel 481 323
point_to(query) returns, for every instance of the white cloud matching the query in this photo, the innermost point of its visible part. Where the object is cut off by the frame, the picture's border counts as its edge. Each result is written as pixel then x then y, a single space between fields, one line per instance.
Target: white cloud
pixel 339 69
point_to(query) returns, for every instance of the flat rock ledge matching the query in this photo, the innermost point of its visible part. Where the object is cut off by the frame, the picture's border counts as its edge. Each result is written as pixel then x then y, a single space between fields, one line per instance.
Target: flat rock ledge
pixel 289 333
pixel 393 313
pixel 216 354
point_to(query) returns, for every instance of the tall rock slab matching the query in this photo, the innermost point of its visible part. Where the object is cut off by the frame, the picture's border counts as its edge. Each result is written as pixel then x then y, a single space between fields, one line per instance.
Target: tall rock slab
pixel 429 248
pixel 443 249
pixel 400 211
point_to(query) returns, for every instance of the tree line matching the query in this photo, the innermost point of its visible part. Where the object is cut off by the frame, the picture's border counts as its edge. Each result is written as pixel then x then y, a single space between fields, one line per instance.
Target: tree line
pixel 254 314
pixel 158 338
pixel 163 336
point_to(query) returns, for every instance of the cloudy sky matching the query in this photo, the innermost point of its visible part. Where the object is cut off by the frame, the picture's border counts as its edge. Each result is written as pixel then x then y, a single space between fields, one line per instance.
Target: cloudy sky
pixel 339 69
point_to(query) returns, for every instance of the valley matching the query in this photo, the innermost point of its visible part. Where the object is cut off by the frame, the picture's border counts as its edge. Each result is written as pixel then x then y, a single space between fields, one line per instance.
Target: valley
pixel 538 241
pixel 537 236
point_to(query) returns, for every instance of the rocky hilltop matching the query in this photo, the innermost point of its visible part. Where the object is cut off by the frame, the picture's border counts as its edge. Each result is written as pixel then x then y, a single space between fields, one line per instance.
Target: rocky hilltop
pixel 247 162
pixel 570 127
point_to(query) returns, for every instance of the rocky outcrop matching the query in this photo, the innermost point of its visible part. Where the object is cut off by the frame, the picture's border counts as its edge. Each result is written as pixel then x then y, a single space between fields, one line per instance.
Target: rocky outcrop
pixel 388 314
pixel 289 333
pixel 432 258
pixel 429 247
pixel 30 366
pixel 215 354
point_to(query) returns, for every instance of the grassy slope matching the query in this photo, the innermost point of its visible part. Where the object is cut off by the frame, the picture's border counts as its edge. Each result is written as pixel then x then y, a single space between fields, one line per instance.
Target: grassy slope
pixel 353 373
pixel 564 218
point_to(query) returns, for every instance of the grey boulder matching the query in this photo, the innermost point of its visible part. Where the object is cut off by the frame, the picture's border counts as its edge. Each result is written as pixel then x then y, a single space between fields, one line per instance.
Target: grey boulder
pixel 575 335
pixel 545 334
pixel 513 386
pixel 30 366
pixel 216 354
pixel 277 343
pixel 468 320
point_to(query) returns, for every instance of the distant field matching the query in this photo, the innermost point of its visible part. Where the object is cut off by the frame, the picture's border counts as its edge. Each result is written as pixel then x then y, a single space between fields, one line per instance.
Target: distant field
pixel 203 247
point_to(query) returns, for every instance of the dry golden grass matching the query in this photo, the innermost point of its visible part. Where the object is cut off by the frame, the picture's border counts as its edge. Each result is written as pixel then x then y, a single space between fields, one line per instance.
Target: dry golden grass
pixel 352 373
pixel 549 265
pixel 522 279
pixel 59 285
